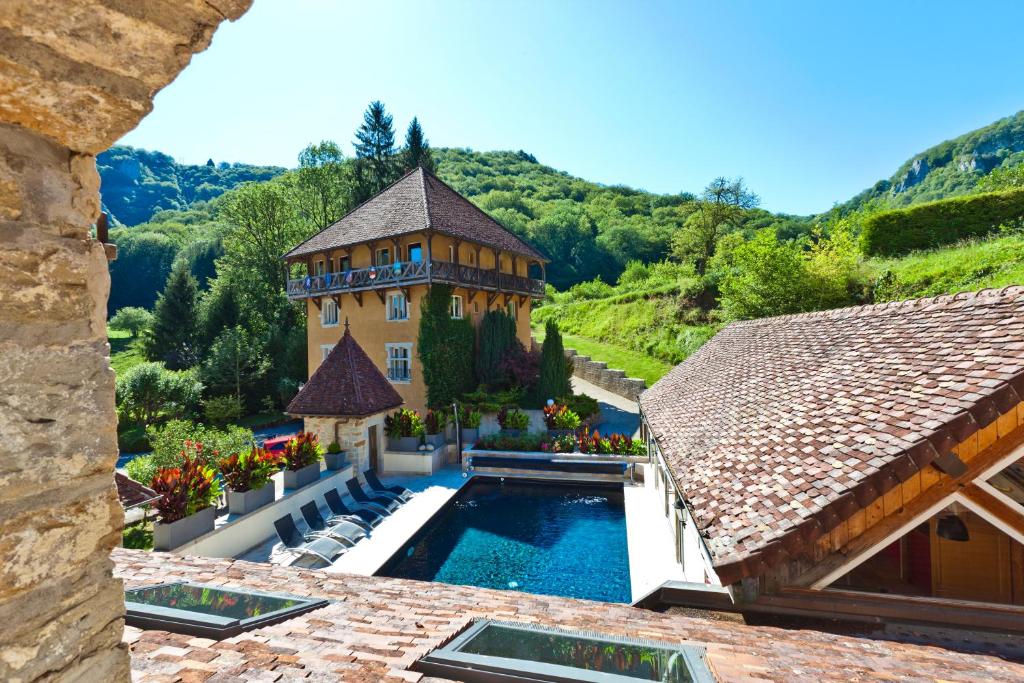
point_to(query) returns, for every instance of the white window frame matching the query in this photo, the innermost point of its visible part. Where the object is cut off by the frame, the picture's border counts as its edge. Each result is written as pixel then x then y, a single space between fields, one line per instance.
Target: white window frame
pixel 390 307
pixel 325 350
pixel 512 309
pixel 457 310
pixel 403 346
pixel 333 305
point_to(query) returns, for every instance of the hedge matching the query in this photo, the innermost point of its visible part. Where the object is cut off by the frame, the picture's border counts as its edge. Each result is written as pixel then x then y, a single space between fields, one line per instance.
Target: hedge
pixel 933 224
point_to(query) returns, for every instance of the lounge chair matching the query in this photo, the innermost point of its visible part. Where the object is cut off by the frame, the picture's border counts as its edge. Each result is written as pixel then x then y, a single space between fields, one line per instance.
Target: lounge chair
pixel 307 545
pixel 360 496
pixel 346 532
pixel 378 486
pixel 338 508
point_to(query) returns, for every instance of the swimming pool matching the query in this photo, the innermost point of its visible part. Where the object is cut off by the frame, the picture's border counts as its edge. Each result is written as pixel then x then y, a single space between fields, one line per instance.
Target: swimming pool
pixel 532 536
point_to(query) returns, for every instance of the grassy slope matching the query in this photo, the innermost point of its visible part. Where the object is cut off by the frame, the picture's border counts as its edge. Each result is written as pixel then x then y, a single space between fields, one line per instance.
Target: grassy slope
pixel 634 363
pixel 125 352
pixel 965 267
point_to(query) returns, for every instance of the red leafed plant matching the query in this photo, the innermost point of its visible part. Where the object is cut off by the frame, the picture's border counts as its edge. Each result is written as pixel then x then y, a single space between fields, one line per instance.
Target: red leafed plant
pixel 184 490
pixel 249 471
pixel 302 451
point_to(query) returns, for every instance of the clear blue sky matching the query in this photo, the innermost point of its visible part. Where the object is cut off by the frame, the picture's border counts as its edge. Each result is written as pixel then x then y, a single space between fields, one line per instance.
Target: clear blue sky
pixel 810 101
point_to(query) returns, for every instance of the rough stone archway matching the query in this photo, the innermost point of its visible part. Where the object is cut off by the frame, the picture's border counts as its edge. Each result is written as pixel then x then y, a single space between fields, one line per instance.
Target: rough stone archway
pixel 75 75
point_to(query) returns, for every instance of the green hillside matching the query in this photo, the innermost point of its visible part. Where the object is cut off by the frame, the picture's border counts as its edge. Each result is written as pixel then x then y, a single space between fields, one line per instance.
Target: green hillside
pixel 950 168
pixel 135 183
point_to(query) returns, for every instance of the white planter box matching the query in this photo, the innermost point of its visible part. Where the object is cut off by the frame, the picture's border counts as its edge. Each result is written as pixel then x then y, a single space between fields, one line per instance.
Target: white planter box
pixel 242 502
pixel 176 534
pixel 296 479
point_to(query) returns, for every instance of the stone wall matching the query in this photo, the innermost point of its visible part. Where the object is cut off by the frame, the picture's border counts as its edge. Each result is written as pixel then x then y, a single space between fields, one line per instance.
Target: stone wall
pixel 351 433
pixel 75 75
pixel 597 372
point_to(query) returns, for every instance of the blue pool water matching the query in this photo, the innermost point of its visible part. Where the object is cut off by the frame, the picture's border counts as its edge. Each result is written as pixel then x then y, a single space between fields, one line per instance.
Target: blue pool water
pixel 537 537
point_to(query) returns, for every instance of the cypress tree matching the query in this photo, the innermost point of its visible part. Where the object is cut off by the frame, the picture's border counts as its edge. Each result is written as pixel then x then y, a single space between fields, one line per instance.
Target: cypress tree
pixel 417 148
pixel 554 369
pixel 172 337
pixel 375 142
pixel 445 346
pixel 497 336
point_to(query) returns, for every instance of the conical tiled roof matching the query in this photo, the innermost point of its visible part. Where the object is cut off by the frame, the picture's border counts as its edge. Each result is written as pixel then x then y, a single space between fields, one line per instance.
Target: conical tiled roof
pixel 419 200
pixel 347 384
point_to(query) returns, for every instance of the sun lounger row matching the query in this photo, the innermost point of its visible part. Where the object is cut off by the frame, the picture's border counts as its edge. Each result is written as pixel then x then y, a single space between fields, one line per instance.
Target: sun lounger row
pixel 328 538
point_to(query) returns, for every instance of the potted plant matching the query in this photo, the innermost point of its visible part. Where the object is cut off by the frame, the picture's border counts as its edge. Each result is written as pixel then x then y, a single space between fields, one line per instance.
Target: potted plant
pixel 404 429
pixel 186 504
pixel 469 425
pixel 433 427
pixel 513 421
pixel 560 420
pixel 334 459
pixel 302 456
pixel 247 475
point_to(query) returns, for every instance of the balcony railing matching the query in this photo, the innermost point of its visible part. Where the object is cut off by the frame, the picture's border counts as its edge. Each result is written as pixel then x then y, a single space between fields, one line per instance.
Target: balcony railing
pixel 411 273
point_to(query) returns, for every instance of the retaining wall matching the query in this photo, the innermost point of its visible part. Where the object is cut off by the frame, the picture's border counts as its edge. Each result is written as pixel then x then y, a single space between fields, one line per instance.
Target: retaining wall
pixel 597 372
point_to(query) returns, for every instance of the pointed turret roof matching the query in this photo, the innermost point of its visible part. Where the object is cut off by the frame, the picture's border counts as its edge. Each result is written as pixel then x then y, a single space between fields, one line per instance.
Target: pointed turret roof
pixel 347 384
pixel 417 201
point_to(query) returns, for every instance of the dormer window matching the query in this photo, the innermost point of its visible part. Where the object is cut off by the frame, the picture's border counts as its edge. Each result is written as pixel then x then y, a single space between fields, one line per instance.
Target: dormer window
pixel 398 307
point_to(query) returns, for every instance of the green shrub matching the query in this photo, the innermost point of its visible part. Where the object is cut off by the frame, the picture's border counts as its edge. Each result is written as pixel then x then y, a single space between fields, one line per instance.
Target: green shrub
pixel 513 418
pixel 147 393
pixel 946 221
pixel 555 369
pixel 581 404
pixel 592 289
pixel 132 319
pixel 497 336
pixel 222 409
pixel 492 401
pixel 445 347
pixel 404 423
pixel 168 442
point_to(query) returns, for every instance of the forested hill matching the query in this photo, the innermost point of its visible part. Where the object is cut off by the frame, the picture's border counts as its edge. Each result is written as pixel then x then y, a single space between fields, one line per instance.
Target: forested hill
pixel 951 168
pixel 135 183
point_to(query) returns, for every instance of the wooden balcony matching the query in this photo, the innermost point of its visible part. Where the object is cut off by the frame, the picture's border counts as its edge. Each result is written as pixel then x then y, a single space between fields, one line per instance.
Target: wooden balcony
pixel 401 275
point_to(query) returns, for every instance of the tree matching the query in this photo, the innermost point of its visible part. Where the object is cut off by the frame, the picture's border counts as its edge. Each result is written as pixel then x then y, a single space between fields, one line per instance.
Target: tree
pixel 375 151
pixel 764 278
pixel 263 226
pixel 132 319
pixel 554 368
pixel 497 337
pixel 323 184
pixel 417 149
pixel 445 346
pixel 721 205
pixel 172 336
pixel 236 361
pixel 147 392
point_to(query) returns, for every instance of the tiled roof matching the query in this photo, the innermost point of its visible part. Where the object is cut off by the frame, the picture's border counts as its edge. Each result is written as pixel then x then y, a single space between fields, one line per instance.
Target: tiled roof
pixel 131 493
pixel 347 383
pixel 376 627
pixel 800 420
pixel 418 201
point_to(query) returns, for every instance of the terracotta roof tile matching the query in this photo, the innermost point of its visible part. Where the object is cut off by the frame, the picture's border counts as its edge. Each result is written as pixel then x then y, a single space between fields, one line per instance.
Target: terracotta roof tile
pixel 376 627
pixel 805 408
pixel 417 201
pixel 131 493
pixel 347 383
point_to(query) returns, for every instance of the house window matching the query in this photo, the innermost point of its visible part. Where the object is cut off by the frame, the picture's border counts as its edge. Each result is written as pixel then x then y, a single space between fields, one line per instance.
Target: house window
pixel 398 307
pixel 451 253
pixel 457 307
pixel 344 264
pixel 329 313
pixel 399 362
pixel 472 259
pixel 511 309
pixel 383 257
pixel 318 268
pixel 325 350
pixel 415 252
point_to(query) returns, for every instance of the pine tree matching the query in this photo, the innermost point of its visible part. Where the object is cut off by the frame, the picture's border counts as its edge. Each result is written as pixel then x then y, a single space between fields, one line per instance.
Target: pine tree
pixel 417 148
pixel 445 346
pixel 554 369
pixel 497 336
pixel 375 143
pixel 172 336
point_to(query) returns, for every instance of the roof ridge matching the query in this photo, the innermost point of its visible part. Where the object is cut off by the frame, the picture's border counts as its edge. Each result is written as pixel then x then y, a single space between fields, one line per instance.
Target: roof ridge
pixel 350 361
pixel 1009 291
pixel 348 213
pixel 482 213
pixel 426 199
